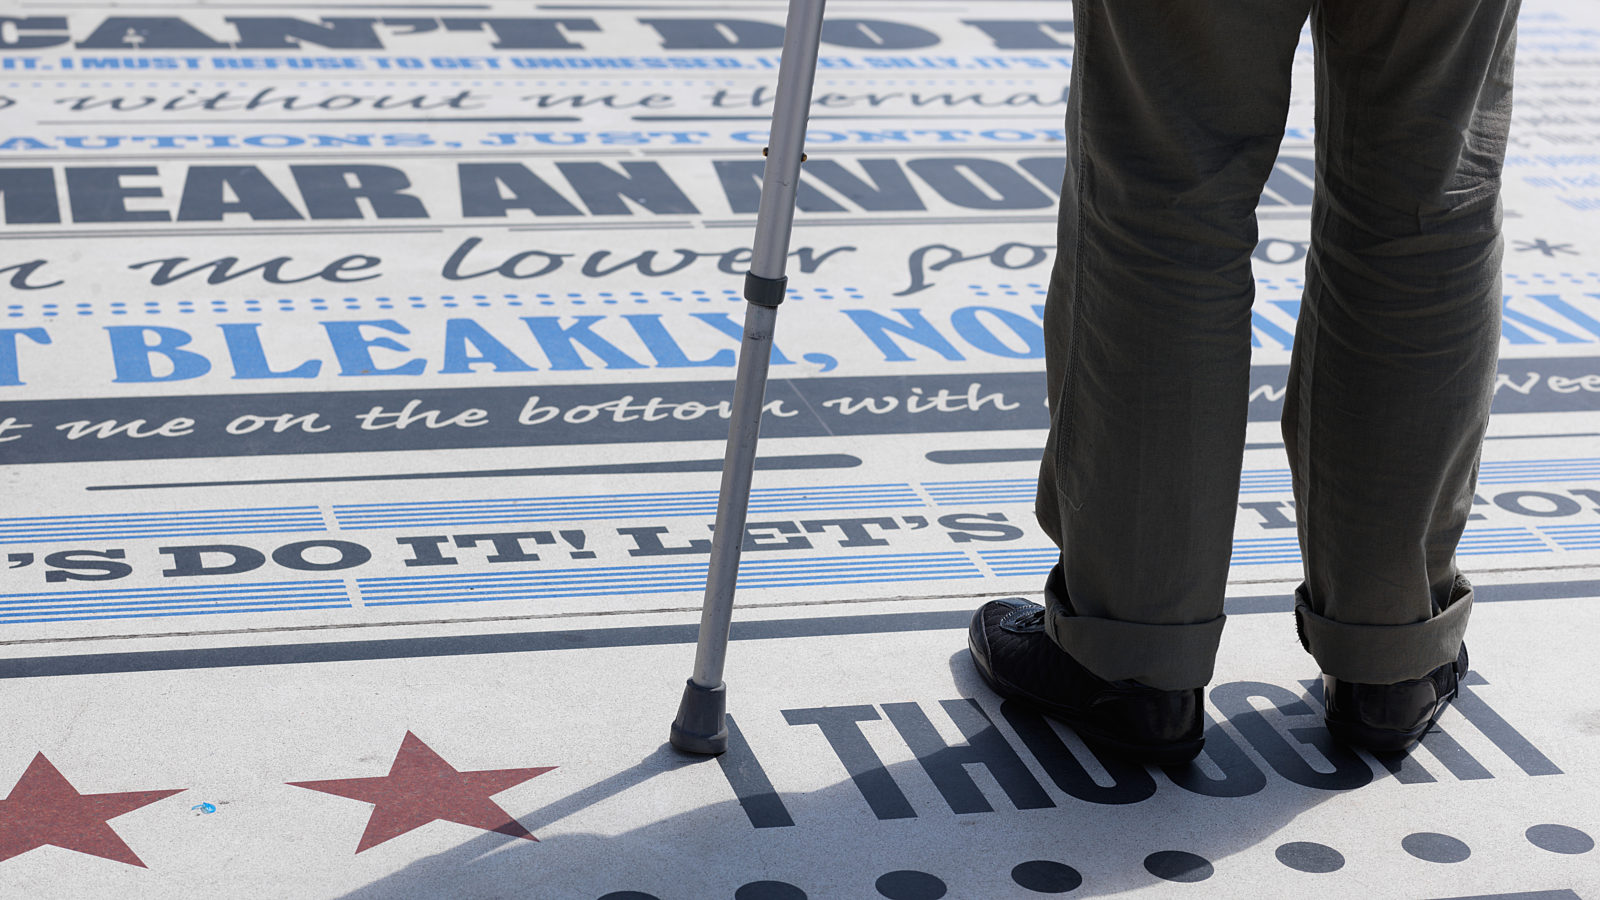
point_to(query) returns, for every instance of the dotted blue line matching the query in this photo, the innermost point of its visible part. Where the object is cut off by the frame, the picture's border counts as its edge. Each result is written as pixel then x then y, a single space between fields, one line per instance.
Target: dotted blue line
pixel 1008 290
pixel 1530 278
pixel 418 301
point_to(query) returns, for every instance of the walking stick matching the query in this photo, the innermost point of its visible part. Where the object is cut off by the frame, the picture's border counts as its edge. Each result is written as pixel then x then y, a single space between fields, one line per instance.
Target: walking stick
pixel 700 726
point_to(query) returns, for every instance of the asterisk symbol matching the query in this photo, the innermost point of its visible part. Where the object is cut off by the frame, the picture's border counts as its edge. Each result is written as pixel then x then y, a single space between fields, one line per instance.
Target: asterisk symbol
pixel 1545 247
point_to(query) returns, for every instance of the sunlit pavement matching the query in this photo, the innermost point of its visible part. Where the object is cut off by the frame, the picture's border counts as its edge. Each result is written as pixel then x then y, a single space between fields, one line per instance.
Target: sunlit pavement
pixel 362 373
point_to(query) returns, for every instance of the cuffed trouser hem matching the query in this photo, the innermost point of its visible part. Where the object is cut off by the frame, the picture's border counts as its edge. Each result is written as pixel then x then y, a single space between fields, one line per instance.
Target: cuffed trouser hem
pixel 1167 657
pixel 1383 654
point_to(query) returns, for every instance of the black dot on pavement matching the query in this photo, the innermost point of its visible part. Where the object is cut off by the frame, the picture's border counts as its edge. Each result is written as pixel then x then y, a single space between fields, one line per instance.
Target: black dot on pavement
pixel 769 890
pixel 1434 847
pixel 629 895
pixel 1560 839
pixel 1045 877
pixel 909 884
pixel 1176 865
pixel 1305 856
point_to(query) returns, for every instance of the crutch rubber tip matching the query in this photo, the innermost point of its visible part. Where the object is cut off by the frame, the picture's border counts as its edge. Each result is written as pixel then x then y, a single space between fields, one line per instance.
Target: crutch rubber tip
pixel 701 727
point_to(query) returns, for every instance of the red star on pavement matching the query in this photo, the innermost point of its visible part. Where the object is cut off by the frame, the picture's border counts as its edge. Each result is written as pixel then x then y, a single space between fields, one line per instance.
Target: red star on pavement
pixel 421 787
pixel 44 808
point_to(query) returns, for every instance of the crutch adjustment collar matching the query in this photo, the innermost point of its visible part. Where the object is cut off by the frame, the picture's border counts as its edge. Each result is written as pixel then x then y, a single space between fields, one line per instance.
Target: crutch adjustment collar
pixel 766 292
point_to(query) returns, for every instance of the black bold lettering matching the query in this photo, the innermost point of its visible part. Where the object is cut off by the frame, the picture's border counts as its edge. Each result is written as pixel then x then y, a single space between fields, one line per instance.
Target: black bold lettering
pixel 284 33
pixel 1050 170
pixel 425 550
pixel 507 544
pixel 741 184
pixel 1350 771
pixel 716 34
pixel 1405 767
pixel 1130 782
pixel 293 556
pixel 885 189
pixel 1240 776
pixel 25 41
pixel 1290 183
pixel 86 565
pixel 647 542
pixel 204 195
pixel 331 192
pixel 1022 34
pixel 750 782
pixel 1548 506
pixel 977 183
pixel 484 186
pixel 602 188
pixel 946 765
pixel 148 33
pixel 755 540
pixel 190 561
pixel 29 197
pixel 839 726
pixel 97 194
pixel 526 33
pixel 1499 731
pixel 854 530
pixel 966 527
pixel 1271 513
pixel 876 34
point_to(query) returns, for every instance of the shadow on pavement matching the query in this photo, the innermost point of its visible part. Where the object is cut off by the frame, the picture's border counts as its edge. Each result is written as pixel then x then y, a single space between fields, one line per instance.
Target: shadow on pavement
pixel 1059 820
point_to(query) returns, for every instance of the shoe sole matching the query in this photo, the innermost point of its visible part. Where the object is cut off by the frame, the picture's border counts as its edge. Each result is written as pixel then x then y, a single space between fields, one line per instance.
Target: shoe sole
pixel 1176 753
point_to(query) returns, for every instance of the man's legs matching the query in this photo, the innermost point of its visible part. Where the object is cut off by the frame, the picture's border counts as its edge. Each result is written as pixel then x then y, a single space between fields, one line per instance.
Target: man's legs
pixel 1394 358
pixel 1175 116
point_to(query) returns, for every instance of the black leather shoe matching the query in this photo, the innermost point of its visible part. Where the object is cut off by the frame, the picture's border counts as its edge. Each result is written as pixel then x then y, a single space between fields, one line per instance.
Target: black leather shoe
pixel 1391 717
pixel 1020 661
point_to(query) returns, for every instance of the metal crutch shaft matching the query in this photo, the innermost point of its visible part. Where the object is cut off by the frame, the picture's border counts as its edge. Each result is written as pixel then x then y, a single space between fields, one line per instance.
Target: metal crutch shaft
pixel 700 726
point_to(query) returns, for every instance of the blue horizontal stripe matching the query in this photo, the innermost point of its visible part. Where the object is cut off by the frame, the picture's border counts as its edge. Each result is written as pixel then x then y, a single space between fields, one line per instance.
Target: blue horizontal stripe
pixel 696 568
pixel 1266 551
pixel 755 493
pixel 1503 472
pixel 170 522
pixel 817 575
pixel 254 587
pixel 591 507
pixel 173 532
pixel 156 521
pixel 583 499
pixel 283 510
pixel 660 578
pixel 130 610
pixel 197 612
pixel 160 516
pixel 650 571
pixel 613 512
pixel 145 602
pixel 370 583
pixel 101 599
pixel 558 590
